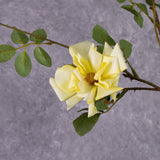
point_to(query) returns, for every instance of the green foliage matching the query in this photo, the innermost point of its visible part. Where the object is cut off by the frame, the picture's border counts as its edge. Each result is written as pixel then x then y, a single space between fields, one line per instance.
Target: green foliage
pixel 6 52
pixel 142 7
pixel 126 47
pixel 139 20
pixel 100 35
pixel 42 57
pixel 121 1
pixel 84 109
pixel 150 3
pixel 130 8
pixel 39 32
pixel 19 37
pixel 120 95
pixel 158 5
pixel 23 64
pixel 83 124
pixel 102 104
pixel 100 49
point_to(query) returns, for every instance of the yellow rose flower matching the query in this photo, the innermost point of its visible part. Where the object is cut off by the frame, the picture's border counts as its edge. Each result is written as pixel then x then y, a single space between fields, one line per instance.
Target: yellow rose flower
pixel 92 77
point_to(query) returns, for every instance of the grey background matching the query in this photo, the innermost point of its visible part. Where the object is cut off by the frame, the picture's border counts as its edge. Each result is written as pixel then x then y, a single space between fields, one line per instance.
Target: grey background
pixel 34 124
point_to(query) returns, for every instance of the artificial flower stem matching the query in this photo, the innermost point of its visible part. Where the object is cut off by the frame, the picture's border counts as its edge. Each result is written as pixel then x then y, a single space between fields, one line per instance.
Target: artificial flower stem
pixel 133 3
pixel 125 91
pixel 142 88
pixel 129 75
pixel 154 20
pixel 51 41
pixel 129 89
pixel 25 45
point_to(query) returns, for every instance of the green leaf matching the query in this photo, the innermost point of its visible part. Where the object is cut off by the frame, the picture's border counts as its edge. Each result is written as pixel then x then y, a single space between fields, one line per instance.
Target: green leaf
pixel 6 52
pixel 19 37
pixel 139 20
pixel 102 104
pixel 130 9
pixel 142 7
pixel 83 124
pixel 149 2
pixel 121 1
pixel 100 49
pixel 39 32
pixel 84 109
pixel 126 47
pixel 23 64
pixel 158 5
pixel 42 57
pixel 100 35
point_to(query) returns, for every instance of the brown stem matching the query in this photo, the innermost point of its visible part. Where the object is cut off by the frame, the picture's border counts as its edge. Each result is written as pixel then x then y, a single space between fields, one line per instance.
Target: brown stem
pixel 129 75
pixel 129 89
pixel 51 41
pixel 154 20
pixel 142 88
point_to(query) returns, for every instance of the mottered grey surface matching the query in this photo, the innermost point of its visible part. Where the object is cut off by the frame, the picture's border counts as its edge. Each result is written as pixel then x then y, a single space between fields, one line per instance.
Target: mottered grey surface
pixel 34 124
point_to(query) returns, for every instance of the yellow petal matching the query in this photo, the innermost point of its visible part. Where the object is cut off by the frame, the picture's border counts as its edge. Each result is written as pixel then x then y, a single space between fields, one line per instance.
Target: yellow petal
pixel 103 92
pixel 116 80
pixel 113 95
pixel 78 74
pixel 95 59
pixel 115 84
pixel 105 83
pixel 84 89
pixel 92 110
pixel 72 101
pixel 80 67
pixel 81 48
pixel 82 64
pixel 107 49
pixel 61 94
pixel 73 81
pixel 91 95
pixel 117 52
pixel 111 67
pixel 100 71
pixel 63 78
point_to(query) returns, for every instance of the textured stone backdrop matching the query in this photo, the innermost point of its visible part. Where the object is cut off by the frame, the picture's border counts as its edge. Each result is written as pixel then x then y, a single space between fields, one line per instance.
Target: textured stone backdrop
pixel 34 124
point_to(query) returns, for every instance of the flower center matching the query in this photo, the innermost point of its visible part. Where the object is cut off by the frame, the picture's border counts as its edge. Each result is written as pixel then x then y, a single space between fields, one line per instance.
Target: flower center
pixel 90 78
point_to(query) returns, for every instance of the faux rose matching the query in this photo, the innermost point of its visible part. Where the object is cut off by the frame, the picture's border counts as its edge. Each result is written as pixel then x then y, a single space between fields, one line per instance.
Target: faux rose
pixel 92 77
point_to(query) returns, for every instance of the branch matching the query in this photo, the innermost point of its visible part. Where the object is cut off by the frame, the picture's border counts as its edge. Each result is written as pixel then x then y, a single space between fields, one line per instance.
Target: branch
pixel 133 3
pixel 142 88
pixel 51 41
pixel 129 75
pixel 154 20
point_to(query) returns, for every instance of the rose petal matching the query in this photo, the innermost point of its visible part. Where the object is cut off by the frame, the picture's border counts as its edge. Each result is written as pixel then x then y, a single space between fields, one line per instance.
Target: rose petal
pixel 92 109
pixel 117 52
pixel 111 66
pixel 103 92
pixel 107 49
pixel 63 77
pixel 61 94
pixel 95 59
pixel 81 48
pixel 72 101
